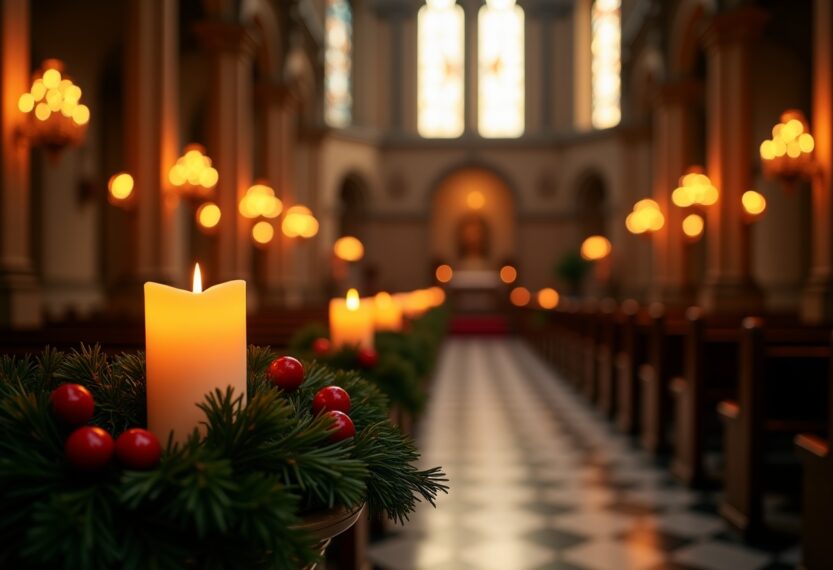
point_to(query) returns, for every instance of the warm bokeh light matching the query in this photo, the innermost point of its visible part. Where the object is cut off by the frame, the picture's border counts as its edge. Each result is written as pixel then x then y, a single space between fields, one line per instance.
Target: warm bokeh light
pixel 444 273
pixel 646 217
pixel 693 225
pixel 353 301
pixel 520 296
pixel 695 189
pixel 475 200
pixel 595 247
pixel 208 215
pixel 53 106
pixel 197 283
pixel 348 248
pixel 263 232
pixel 508 274
pixel 753 202
pixel 193 174
pixel 260 201
pixel 789 153
pixel 299 222
pixel 437 296
pixel 120 186
pixel 548 298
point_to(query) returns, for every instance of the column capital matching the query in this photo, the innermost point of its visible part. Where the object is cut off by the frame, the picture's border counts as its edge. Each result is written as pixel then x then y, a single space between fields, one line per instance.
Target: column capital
pixel 742 25
pixel 228 37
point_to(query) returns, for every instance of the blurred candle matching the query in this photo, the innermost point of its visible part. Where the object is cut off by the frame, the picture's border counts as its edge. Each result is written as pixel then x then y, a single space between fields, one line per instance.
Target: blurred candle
pixel 387 314
pixel 195 342
pixel 351 321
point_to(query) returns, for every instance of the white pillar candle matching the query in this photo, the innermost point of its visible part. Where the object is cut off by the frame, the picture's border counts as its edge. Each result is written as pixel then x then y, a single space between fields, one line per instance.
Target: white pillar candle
pixel 195 342
pixel 351 322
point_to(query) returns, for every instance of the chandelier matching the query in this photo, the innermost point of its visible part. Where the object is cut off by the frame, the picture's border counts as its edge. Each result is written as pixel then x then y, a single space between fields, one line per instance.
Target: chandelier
pixel 788 155
pixel 192 175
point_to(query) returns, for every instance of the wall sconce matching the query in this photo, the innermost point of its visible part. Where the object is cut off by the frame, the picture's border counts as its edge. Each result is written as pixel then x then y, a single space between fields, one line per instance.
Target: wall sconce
pixel 595 248
pixel 55 115
pixel 695 189
pixel 788 155
pixel 208 217
pixel 299 222
pixel 348 248
pixel 754 205
pixel 120 190
pixel 693 226
pixel 193 175
pixel 646 218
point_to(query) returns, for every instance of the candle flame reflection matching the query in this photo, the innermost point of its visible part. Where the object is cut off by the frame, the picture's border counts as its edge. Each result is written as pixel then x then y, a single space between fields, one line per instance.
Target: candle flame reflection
pixel 352 300
pixel 197 279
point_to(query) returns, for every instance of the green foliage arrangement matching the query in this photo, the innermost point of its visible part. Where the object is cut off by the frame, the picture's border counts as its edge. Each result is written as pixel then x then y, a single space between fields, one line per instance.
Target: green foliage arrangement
pixel 231 497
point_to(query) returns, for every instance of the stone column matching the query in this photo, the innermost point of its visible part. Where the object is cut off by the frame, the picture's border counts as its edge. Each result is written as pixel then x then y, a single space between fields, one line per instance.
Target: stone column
pixel 563 50
pixel 729 286
pixel 20 300
pixel 818 295
pixel 672 154
pixel 231 48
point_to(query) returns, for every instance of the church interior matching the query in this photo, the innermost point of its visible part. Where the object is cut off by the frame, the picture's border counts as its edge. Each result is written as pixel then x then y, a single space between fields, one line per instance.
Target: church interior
pixel 416 284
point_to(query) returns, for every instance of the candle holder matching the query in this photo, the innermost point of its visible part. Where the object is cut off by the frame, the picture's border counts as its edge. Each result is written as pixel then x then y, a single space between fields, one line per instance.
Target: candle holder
pixel 323 527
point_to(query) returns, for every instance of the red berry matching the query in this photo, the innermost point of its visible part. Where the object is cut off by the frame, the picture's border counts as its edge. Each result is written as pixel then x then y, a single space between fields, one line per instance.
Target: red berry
pixel 72 403
pixel 343 427
pixel 89 448
pixel 138 449
pixel 286 373
pixel 368 357
pixel 321 346
pixel 331 398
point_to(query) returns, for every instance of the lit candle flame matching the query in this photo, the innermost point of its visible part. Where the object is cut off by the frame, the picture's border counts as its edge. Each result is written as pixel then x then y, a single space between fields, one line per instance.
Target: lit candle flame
pixel 352 300
pixel 197 279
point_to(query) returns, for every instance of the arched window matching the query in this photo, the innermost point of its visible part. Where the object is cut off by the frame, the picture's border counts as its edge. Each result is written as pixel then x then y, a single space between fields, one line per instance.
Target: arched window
pixel 606 50
pixel 501 69
pixel 338 102
pixel 440 77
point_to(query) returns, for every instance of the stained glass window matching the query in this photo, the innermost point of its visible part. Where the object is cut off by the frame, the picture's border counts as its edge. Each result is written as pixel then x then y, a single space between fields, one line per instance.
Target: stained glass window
pixel 501 69
pixel 338 102
pixel 606 50
pixel 440 67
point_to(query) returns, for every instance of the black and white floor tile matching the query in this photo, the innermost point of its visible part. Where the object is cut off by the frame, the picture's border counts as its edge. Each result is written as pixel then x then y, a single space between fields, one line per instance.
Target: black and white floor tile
pixel 539 481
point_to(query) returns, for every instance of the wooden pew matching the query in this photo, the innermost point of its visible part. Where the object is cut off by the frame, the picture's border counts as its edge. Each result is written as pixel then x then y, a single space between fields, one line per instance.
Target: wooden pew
pixel 590 330
pixel 816 453
pixel 781 392
pixel 709 375
pixel 633 341
pixel 606 351
pixel 664 357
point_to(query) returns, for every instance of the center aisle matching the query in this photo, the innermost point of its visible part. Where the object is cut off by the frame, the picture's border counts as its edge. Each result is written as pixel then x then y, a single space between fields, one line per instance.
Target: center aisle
pixel 538 481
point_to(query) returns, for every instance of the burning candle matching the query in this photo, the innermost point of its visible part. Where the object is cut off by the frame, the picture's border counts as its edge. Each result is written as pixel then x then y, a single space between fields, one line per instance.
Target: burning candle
pixel 195 342
pixel 351 321
pixel 387 314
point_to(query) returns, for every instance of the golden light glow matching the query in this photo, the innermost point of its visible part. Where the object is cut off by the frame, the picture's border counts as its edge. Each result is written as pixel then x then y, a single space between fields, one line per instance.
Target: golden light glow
pixel 208 215
pixel 548 298
pixel 444 273
pixel 440 69
pixel 753 202
pixel 508 274
pixel 299 222
pixel 120 186
pixel 693 225
pixel 695 189
pixel 595 247
pixel 500 82
pixel 437 296
pixel 193 174
pixel 475 200
pixel 197 284
pixel 56 117
pixel 259 201
pixel 263 232
pixel 348 248
pixel 789 153
pixel 353 301
pixel 520 296
pixel 646 217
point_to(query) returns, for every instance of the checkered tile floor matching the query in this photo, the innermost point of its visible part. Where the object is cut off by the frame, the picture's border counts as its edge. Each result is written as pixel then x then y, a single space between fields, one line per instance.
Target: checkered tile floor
pixel 539 481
